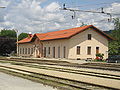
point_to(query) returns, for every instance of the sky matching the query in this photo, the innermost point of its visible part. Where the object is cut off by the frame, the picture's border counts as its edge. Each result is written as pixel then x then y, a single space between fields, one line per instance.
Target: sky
pixel 39 16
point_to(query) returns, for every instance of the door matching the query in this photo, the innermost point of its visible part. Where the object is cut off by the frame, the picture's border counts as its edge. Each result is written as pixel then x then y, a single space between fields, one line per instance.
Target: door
pixel 97 50
pixel 64 52
pixel 44 51
pixel 53 52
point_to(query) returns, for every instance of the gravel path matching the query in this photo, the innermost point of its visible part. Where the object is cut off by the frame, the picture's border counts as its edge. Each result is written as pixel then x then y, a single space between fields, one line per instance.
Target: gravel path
pixel 9 82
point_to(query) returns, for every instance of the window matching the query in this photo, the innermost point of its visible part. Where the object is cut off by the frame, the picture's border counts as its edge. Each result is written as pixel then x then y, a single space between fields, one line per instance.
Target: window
pixel 89 36
pixel 31 50
pixel 89 50
pixel 97 50
pixel 58 52
pixel 64 51
pixel 28 50
pixel 78 50
pixel 20 50
pixel 34 49
pixel 53 52
pixel 23 51
pixel 44 51
pixel 49 50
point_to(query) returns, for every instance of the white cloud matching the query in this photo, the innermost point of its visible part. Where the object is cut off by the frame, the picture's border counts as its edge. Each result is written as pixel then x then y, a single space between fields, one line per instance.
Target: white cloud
pixel 30 16
pixel 52 7
pixel 101 20
pixel 4 3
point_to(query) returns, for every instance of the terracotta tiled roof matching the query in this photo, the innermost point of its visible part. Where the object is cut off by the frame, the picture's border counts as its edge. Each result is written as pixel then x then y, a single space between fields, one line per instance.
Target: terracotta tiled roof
pixel 62 34
pixel 25 40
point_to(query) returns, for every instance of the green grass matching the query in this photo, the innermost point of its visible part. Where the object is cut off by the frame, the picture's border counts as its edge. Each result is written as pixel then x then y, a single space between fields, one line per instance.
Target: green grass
pixel 99 60
pixel 3 57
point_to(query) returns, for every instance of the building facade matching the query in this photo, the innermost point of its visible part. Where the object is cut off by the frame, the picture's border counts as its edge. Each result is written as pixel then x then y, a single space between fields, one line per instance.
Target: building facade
pixel 76 43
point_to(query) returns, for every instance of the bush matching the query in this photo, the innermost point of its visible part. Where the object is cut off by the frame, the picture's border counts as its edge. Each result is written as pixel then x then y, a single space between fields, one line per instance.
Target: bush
pixel 99 56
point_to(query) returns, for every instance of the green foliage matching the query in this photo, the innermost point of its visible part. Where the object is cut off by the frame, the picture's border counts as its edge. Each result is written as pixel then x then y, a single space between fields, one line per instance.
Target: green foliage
pixel 99 55
pixel 8 33
pixel 83 24
pixel 114 46
pixel 12 34
pixel 22 36
pixel 116 32
pixel 99 60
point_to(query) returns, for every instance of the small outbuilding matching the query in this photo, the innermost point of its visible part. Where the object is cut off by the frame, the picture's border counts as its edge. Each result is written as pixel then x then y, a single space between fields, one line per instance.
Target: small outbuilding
pixel 75 43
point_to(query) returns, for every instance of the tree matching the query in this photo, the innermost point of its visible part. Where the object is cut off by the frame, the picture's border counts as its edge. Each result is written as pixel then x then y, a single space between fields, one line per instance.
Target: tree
pixel 22 36
pixel 8 33
pixel 83 24
pixel 114 46
pixel 116 32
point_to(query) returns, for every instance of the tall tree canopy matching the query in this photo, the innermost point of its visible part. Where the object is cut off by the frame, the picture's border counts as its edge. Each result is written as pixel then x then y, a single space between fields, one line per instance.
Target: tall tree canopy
pixel 22 36
pixel 12 34
pixel 8 33
pixel 114 46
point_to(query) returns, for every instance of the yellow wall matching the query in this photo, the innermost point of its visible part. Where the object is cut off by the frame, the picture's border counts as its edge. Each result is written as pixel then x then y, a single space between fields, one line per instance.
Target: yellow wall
pixel 71 44
pixel 82 41
pixel 36 46
pixel 25 45
pixel 56 43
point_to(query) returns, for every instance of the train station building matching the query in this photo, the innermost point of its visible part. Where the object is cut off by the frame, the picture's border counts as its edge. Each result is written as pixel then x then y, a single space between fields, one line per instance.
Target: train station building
pixel 75 43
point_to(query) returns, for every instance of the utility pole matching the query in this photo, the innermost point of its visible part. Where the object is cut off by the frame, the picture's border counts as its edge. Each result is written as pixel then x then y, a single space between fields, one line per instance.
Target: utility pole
pixel 78 10
pixel 17 42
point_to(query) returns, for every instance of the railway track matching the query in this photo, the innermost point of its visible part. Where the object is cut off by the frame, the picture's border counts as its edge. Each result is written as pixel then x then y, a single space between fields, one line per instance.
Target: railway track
pixel 67 68
pixel 103 66
pixel 41 78
pixel 68 84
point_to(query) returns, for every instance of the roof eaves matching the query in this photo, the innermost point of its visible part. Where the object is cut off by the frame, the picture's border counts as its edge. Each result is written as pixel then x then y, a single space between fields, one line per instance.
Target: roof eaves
pixel 22 42
pixel 56 39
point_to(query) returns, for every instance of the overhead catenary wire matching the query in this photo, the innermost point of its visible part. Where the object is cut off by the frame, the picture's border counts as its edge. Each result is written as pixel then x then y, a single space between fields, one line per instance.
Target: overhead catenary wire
pixel 89 11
